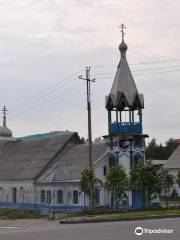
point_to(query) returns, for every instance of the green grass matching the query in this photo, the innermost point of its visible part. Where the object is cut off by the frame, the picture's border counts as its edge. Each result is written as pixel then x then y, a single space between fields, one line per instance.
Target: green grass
pixel 125 214
pixel 145 213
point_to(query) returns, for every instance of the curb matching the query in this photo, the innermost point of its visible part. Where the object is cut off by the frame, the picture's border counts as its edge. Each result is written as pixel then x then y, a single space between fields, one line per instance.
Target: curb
pixel 116 219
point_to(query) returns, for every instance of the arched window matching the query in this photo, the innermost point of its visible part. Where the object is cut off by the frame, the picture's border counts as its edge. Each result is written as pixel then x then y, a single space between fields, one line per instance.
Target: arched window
pixel 48 197
pixel 60 196
pixel 43 198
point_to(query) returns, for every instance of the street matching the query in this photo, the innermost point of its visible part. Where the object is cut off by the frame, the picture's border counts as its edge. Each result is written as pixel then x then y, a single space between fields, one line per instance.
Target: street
pixel 52 230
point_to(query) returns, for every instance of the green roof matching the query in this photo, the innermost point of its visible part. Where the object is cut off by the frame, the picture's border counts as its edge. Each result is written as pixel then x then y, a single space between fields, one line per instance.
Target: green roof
pixel 43 135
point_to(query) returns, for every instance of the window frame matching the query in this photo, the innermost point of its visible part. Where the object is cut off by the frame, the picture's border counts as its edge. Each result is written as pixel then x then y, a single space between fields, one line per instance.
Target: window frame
pixel 60 198
pixel 104 170
pixel 49 196
pixel 14 195
pixel 43 196
pixel 75 197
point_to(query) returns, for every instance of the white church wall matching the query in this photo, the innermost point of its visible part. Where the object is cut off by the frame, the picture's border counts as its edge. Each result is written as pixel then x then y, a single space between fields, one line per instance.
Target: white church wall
pixel 28 195
pixel 68 195
pixel 17 192
pixel 101 169
pixel 124 160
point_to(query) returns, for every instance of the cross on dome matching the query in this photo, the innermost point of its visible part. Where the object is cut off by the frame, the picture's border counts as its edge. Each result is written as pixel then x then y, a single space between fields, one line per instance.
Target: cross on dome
pixel 4 111
pixel 122 27
pixel 4 130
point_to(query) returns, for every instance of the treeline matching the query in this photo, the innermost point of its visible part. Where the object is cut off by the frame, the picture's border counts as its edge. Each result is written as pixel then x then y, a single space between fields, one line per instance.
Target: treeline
pixel 160 151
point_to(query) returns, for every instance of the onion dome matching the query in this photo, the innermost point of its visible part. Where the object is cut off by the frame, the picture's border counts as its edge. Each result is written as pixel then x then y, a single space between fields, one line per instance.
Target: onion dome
pixel 5 132
pixel 123 48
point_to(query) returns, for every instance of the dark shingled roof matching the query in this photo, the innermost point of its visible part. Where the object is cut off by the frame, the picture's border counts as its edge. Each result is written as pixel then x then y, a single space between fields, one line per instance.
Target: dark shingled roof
pixel 71 164
pixel 26 159
pixel 173 161
pixel 124 92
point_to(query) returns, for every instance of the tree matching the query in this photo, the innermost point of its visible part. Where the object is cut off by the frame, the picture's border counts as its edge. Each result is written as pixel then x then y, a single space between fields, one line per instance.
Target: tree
pixel 89 184
pixel 117 182
pixel 82 140
pixel 145 177
pixel 166 182
pixel 160 151
pixel 178 178
pixel 171 145
pixel 151 149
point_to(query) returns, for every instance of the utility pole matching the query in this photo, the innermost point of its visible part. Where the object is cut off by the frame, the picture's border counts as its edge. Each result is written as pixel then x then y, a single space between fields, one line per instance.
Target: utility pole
pixel 88 85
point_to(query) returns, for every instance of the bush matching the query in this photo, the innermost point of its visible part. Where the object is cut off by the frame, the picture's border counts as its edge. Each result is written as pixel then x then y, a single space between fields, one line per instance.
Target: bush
pixel 170 198
pixel 12 213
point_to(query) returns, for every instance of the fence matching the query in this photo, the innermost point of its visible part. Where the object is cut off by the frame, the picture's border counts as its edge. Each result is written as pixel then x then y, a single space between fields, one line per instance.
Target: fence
pixel 170 202
pixel 75 199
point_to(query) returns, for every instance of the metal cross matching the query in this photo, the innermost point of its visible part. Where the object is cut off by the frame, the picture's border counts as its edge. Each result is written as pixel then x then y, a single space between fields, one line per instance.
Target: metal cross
pixel 4 111
pixel 122 27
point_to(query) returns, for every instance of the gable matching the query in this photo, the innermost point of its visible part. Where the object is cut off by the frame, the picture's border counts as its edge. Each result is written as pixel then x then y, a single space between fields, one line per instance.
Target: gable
pixel 26 159
pixel 72 162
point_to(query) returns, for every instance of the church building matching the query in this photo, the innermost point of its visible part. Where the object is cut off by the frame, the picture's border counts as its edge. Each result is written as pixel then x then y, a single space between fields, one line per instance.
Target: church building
pixel 44 170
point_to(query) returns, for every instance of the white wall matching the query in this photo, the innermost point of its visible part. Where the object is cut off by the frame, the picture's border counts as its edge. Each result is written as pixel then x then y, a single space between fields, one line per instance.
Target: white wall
pixel 25 191
pixel 174 172
pixel 67 189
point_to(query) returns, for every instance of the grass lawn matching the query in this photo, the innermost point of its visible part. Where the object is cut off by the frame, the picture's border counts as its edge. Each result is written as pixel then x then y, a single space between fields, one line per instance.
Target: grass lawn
pixel 145 213
pixel 124 214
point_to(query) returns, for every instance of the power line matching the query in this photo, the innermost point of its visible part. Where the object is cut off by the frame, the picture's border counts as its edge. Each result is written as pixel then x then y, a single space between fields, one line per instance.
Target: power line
pixel 178 70
pixel 60 84
pixel 149 69
pixel 64 82
pixel 141 70
pixel 105 77
pixel 140 63
pixel 42 93
pixel 143 74
pixel 45 102
pixel 156 62
pixel 41 96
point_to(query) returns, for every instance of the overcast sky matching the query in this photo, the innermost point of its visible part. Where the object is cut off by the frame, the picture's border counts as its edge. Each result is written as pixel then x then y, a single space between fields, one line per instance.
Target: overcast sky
pixel 46 44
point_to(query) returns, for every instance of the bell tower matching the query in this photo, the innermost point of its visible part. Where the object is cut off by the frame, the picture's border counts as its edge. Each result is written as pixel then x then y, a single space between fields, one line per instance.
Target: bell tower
pixel 125 105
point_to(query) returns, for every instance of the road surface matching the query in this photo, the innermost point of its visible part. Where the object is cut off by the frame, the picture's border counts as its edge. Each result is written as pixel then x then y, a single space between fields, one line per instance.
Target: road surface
pixel 52 230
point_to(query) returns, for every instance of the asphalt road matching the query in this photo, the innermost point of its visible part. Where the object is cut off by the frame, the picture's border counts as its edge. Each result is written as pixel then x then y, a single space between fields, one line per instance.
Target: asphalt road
pixel 51 230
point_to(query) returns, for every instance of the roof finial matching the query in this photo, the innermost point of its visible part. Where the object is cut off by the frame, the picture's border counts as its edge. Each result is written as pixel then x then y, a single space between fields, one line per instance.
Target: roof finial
pixel 4 111
pixel 123 46
pixel 122 27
